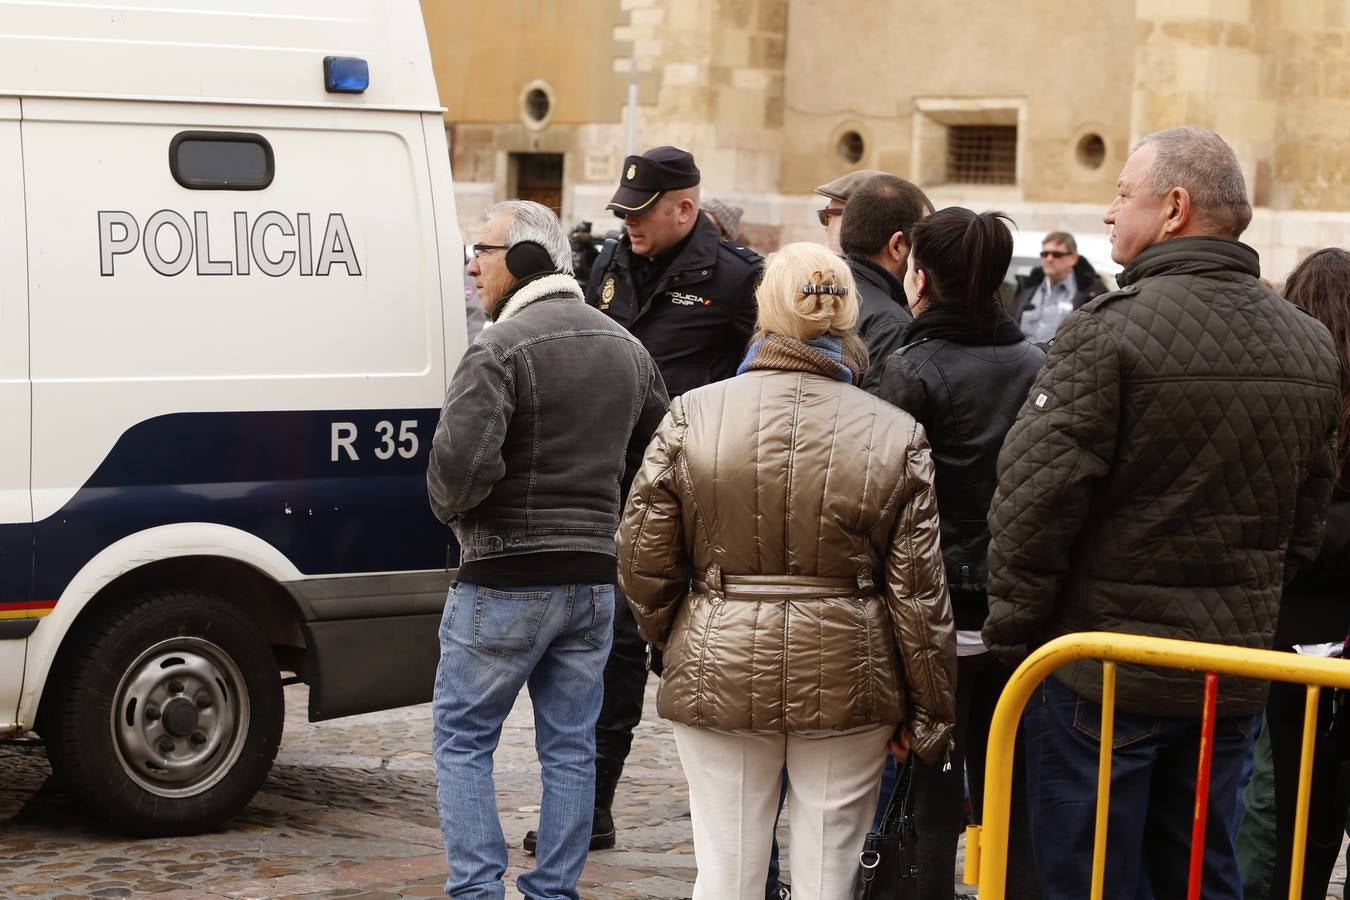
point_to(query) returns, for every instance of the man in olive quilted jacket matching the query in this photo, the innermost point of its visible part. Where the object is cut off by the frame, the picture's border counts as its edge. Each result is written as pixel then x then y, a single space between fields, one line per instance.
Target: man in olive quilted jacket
pixel 1170 468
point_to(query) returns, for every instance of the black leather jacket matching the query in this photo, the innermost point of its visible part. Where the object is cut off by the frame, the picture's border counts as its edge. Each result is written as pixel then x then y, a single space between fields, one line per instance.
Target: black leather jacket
pixel 883 316
pixel 696 316
pixel 964 383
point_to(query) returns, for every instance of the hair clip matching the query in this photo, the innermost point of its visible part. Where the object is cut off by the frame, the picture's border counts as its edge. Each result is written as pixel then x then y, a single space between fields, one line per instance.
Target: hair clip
pixel 837 289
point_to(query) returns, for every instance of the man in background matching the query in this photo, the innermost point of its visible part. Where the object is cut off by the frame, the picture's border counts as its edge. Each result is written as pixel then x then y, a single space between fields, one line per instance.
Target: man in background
pixel 1064 282
pixel 836 194
pixel 873 234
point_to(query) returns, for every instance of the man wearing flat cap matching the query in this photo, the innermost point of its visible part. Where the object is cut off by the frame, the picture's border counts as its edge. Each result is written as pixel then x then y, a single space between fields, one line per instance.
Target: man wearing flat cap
pixel 836 194
pixel 689 297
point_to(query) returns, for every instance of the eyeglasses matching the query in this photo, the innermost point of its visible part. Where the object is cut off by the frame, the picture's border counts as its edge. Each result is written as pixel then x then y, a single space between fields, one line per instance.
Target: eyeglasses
pixel 824 215
pixel 1055 254
pixel 480 249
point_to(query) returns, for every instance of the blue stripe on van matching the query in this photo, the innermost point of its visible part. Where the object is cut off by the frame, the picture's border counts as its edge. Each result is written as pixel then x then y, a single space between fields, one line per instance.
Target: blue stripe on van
pixel 268 473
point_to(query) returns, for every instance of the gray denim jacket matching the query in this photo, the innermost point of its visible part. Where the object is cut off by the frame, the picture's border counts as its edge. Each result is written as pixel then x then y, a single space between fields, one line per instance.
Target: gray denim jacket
pixel 544 424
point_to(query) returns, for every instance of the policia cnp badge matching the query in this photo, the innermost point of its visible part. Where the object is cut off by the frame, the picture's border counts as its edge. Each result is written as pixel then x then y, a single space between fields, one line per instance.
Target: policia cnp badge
pixel 607 293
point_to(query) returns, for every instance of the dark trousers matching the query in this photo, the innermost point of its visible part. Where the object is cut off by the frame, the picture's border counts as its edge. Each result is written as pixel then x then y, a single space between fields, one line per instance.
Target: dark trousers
pixel 625 687
pixel 1330 796
pixel 938 795
pixel 1152 799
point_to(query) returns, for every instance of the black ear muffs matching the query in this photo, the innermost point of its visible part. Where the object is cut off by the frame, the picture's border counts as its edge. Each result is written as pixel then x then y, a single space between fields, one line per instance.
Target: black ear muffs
pixel 528 258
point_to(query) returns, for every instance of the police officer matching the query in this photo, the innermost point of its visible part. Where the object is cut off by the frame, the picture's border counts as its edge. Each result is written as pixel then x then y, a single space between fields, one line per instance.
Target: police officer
pixel 671 280
pixel 689 297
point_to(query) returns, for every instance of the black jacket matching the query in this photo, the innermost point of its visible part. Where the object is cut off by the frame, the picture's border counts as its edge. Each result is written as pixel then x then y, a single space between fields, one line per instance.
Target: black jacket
pixel 696 316
pixel 1315 608
pixel 1089 283
pixel 964 382
pixel 530 455
pixel 883 316
pixel 1170 469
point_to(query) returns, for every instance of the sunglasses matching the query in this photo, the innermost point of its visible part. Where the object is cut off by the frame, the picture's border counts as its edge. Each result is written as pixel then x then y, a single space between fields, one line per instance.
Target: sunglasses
pixel 824 215
pixel 1055 254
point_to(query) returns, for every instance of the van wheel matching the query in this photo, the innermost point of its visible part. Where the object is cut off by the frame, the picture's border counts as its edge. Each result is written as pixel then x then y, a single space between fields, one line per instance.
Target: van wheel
pixel 170 714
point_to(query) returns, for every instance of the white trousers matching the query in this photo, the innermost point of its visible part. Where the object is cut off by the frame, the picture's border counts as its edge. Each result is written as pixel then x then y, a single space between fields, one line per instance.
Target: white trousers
pixel 734 779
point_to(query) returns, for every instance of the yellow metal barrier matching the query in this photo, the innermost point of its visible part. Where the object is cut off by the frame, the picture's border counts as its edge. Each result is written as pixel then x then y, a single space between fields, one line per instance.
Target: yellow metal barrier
pixel 987 843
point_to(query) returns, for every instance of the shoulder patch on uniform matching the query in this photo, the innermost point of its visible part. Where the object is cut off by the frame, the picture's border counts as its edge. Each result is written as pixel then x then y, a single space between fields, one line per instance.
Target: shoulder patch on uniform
pixel 744 253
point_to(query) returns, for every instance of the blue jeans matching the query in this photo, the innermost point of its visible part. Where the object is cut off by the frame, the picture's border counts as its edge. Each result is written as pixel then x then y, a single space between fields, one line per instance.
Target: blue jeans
pixel 1152 799
pixel 494 642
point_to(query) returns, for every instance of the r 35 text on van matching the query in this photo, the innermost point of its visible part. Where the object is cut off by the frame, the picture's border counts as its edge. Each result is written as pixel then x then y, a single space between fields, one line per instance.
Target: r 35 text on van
pixel 346 433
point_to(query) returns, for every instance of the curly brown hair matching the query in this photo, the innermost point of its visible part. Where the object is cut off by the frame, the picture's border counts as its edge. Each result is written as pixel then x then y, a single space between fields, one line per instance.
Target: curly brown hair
pixel 1321 285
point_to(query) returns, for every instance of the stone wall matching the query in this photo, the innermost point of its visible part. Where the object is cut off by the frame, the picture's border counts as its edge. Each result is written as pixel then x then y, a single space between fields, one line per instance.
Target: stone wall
pixel 898 75
pixel 1311 162
pixel 1272 77
pixel 764 93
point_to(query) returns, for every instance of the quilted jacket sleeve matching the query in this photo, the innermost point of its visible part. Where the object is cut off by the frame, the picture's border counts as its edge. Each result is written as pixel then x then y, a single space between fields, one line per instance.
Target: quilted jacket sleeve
pixel 1310 507
pixel 920 609
pixel 654 563
pixel 1062 442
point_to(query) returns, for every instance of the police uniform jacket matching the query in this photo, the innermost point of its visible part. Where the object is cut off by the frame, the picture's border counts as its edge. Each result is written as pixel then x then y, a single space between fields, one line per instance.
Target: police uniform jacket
pixel 696 318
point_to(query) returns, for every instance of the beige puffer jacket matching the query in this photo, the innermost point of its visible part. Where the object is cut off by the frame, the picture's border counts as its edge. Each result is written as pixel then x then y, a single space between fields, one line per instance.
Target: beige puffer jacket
pixel 780 543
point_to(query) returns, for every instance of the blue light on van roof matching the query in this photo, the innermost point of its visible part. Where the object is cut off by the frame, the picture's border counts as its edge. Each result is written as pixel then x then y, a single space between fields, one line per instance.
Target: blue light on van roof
pixel 345 74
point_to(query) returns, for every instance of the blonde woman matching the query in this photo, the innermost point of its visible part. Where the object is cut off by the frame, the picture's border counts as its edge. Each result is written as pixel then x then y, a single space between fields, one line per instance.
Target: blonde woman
pixel 781 545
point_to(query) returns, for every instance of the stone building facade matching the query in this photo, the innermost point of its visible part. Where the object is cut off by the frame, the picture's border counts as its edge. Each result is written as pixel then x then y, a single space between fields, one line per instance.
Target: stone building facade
pixel 1032 111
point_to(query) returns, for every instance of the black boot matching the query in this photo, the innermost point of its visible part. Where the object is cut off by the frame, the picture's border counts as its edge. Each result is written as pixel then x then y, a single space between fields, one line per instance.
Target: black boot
pixel 602 822
pixel 607 775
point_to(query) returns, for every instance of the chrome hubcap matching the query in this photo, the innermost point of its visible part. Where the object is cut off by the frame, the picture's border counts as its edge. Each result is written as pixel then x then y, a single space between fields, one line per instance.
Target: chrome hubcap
pixel 180 716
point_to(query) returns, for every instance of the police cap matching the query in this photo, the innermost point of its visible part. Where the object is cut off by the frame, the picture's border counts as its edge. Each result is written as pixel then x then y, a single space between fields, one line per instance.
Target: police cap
pixel 647 177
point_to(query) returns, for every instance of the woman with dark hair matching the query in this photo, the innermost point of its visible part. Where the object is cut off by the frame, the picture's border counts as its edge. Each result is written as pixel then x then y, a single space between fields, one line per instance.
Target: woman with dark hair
pixel 963 371
pixel 1314 618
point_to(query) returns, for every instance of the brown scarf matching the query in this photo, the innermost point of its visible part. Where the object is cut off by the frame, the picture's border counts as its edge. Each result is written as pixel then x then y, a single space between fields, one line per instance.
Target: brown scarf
pixel 828 355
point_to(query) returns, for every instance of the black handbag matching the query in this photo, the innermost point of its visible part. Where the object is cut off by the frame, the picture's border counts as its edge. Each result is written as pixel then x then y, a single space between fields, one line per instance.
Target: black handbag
pixel 888 866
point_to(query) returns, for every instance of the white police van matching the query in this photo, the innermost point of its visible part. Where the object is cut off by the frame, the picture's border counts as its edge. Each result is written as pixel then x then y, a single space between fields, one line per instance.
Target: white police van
pixel 230 298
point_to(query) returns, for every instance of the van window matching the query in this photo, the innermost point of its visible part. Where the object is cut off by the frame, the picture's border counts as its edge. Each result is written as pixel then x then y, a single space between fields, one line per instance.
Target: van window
pixel 221 161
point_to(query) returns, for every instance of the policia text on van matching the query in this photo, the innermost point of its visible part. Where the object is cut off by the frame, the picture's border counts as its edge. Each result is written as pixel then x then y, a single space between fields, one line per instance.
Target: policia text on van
pixel 243 250
pixel 211 483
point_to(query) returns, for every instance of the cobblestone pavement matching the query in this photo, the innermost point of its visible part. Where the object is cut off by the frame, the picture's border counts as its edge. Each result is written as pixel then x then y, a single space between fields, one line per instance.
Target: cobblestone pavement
pixel 348 811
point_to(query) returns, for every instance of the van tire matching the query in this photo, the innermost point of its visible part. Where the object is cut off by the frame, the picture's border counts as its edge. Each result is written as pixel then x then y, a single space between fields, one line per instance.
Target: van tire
pixel 193 697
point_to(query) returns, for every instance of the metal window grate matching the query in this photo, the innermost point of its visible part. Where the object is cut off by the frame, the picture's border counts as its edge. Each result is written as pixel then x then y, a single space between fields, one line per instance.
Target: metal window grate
pixel 982 154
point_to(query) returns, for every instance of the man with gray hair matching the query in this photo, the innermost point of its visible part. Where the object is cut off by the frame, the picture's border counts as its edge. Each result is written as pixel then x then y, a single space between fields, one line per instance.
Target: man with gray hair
pixel 527 466
pixel 1170 469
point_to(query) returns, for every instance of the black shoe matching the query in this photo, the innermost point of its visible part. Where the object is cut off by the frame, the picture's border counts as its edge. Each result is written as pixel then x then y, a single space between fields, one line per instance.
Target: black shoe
pixel 602 829
pixel 602 833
